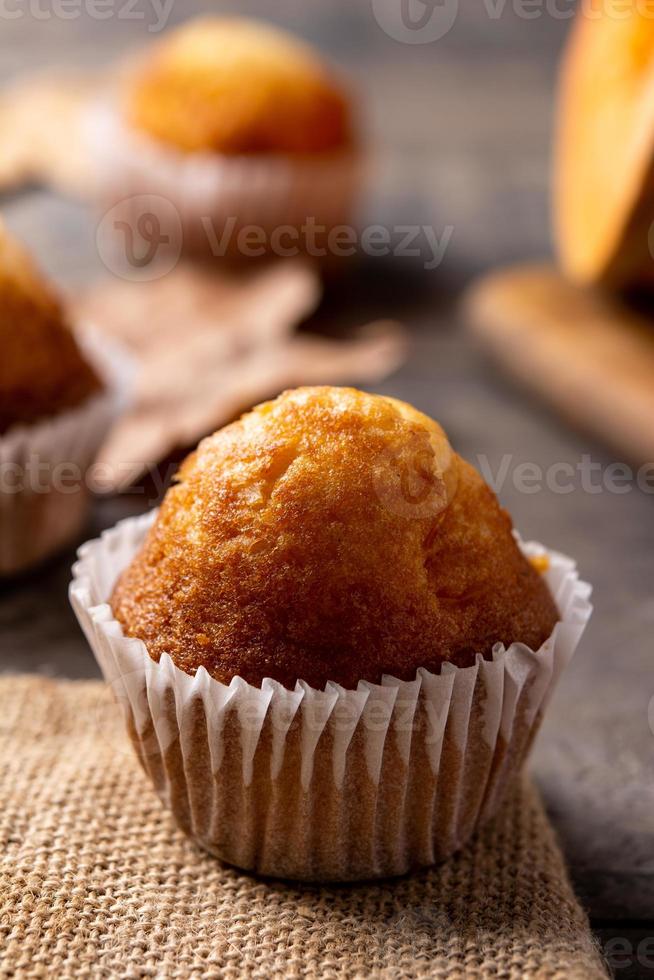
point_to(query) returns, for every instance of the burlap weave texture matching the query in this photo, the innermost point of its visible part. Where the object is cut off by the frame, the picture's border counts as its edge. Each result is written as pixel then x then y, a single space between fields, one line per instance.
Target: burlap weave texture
pixel 96 881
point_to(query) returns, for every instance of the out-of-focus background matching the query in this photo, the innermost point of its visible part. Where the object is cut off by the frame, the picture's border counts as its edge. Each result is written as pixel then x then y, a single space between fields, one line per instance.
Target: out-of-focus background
pixel 459 136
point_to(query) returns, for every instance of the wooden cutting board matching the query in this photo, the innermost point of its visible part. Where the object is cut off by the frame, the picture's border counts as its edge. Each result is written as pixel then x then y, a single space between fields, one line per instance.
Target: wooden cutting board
pixel 588 354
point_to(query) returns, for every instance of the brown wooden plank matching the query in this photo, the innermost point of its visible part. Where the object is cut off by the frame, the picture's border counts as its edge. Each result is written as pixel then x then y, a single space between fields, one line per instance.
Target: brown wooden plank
pixel 588 354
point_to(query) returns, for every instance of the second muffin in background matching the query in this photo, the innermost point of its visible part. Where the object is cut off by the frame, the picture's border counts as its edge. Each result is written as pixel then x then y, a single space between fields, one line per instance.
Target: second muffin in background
pixel 58 399
pixel 236 125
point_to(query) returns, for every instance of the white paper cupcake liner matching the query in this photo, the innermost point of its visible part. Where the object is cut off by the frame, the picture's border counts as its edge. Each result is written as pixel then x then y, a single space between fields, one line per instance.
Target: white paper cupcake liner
pixel 43 494
pixel 214 196
pixel 333 784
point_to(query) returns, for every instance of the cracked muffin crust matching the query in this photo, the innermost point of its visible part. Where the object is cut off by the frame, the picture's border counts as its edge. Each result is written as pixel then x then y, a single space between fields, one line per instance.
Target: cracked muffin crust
pixel 330 535
pixel 42 371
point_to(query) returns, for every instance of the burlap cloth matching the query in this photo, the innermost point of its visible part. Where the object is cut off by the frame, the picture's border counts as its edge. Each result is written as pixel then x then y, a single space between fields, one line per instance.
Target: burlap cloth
pixel 95 880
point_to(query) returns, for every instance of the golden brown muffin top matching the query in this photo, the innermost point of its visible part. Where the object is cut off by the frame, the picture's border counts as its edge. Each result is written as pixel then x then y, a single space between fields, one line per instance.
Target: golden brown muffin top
pixel 330 535
pixel 237 86
pixel 42 371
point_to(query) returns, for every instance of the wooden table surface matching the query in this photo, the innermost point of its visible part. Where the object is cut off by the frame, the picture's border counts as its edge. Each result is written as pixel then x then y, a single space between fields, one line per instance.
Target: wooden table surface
pixel 460 129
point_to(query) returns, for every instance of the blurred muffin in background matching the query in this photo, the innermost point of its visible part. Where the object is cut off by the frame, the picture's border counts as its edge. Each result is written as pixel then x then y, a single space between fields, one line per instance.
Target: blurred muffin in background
pixel 55 408
pixel 235 86
pixel 237 125
pixel 42 370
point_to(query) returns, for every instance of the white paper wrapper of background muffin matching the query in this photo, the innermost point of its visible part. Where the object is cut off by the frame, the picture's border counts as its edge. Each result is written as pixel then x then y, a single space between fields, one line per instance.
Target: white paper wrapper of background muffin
pixel 233 137
pixel 45 495
pixel 59 394
pixel 226 206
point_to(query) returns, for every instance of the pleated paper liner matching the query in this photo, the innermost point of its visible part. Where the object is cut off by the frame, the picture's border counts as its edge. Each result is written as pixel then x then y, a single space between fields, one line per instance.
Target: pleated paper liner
pixel 207 200
pixel 44 495
pixel 333 784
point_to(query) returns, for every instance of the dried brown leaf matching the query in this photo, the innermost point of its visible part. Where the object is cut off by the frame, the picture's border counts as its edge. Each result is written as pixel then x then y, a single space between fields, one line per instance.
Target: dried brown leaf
pixel 211 343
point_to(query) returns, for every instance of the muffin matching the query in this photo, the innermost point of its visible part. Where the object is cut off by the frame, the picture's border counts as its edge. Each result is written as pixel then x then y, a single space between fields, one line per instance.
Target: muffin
pixel 281 542
pixel 42 371
pixel 332 651
pixel 54 411
pixel 236 124
pixel 238 87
